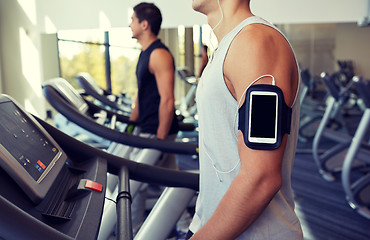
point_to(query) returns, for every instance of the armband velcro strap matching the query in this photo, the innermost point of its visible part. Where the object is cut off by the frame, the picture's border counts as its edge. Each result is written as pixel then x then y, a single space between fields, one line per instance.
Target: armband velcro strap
pixel 242 120
pixel 286 118
pixel 264 117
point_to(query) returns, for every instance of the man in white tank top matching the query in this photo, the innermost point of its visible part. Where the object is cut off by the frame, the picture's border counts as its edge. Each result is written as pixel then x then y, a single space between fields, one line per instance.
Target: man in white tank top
pixel 244 193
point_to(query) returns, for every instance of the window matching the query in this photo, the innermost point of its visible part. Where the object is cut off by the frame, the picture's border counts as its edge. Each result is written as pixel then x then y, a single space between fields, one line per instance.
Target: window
pixel 84 51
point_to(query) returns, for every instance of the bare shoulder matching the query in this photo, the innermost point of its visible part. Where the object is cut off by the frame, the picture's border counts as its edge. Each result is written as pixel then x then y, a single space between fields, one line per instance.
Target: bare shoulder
pixel 260 41
pixel 160 54
pixel 258 50
pixel 160 58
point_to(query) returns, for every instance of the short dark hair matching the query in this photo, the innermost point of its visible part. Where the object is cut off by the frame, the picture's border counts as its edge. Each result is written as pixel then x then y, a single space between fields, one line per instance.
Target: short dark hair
pixel 150 13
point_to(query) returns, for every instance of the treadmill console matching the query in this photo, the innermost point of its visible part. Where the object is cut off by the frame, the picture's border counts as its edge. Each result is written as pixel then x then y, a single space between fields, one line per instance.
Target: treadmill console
pixel 68 92
pixel 27 152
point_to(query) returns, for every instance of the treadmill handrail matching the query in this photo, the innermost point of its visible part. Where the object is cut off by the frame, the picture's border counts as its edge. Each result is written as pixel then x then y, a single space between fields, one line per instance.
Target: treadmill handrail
pixel 126 119
pixel 92 89
pixel 89 83
pixel 138 171
pixel 120 117
pixel 89 124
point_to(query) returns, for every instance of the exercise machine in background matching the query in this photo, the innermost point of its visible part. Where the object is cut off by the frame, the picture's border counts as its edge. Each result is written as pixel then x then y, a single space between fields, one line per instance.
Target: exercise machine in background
pixel 356 181
pixel 116 103
pixel 330 161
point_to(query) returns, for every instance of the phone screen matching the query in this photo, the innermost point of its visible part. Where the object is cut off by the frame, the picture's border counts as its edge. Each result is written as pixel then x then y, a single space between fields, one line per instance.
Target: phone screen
pixel 263 119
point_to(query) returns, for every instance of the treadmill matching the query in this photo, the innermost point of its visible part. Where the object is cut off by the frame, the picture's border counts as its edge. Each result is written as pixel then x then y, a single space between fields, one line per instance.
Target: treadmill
pixel 118 103
pixel 59 92
pixel 53 186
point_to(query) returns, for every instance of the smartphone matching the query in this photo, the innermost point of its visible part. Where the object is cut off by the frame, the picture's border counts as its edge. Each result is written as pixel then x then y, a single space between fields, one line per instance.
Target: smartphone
pixel 263 119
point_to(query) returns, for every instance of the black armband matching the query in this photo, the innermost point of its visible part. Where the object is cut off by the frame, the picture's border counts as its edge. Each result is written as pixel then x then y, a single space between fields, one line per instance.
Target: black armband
pixel 264 117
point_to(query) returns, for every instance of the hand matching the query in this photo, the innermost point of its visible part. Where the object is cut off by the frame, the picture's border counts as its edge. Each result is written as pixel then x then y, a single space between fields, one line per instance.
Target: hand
pixel 130 127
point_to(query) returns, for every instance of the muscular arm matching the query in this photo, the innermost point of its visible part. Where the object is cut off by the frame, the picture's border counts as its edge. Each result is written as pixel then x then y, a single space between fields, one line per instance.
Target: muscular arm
pixel 161 65
pixel 135 111
pixel 254 52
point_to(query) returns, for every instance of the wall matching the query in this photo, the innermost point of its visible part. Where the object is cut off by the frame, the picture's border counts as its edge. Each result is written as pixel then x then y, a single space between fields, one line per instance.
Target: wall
pixel 313 11
pixel 20 54
pixel 318 47
pixel 313 45
pixel 71 14
pixel 83 14
pixel 353 43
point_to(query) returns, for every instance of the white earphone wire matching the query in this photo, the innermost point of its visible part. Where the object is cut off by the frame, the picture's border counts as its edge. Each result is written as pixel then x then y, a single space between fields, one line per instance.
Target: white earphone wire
pixel 218 24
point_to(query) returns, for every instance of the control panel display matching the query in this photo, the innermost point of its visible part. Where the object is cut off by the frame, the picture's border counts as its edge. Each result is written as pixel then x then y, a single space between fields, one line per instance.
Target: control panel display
pixel 25 142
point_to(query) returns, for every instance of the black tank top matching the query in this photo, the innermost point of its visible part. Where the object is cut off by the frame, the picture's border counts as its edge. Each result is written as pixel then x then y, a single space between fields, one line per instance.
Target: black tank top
pixel 148 94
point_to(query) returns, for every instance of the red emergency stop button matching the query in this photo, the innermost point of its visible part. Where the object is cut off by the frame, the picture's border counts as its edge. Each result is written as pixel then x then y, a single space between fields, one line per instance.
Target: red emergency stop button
pixel 93 185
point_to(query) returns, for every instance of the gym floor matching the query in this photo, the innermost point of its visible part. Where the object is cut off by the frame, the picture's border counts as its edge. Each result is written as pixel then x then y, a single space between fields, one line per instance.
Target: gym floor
pixel 321 206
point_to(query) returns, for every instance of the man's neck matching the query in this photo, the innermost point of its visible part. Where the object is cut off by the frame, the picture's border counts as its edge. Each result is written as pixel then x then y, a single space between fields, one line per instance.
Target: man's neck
pixel 232 16
pixel 146 40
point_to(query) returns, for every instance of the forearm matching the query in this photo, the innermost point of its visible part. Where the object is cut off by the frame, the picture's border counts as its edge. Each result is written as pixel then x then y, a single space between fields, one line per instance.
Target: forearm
pixel 166 111
pixel 242 204
pixel 135 111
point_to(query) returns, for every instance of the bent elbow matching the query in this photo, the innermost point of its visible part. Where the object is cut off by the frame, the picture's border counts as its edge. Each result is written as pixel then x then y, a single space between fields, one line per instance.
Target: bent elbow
pixel 168 102
pixel 270 184
pixel 274 184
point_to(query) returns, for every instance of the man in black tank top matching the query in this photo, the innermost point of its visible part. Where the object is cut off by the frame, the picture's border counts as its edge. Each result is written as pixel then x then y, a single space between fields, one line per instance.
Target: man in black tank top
pixel 154 108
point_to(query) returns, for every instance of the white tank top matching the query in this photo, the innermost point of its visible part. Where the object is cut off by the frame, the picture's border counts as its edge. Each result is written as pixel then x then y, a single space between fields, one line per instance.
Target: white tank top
pixel 219 157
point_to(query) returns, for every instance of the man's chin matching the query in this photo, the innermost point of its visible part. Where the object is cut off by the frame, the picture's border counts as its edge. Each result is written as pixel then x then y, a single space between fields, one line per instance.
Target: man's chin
pixel 196 7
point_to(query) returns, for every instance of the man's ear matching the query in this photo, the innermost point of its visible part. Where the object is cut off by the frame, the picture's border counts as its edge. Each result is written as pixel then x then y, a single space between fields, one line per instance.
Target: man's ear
pixel 144 24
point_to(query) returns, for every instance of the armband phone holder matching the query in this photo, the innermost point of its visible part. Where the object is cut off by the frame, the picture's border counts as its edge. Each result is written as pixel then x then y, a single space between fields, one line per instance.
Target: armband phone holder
pixel 264 117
